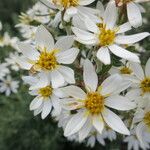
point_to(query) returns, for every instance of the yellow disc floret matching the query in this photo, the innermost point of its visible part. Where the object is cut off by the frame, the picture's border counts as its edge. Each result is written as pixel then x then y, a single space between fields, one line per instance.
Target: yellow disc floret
pixel 106 36
pixel 45 91
pixel 145 85
pixel 66 3
pixel 47 60
pixel 94 103
pixel 147 119
pixel 125 70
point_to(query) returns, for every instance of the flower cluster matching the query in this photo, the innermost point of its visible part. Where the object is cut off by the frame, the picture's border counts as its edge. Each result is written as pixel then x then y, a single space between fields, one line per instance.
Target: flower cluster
pixel 9 65
pixel 82 71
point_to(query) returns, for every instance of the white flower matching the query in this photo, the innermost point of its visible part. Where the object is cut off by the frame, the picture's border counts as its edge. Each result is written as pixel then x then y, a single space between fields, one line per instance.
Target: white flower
pixel 92 107
pixel 71 7
pixel 134 10
pixel 8 85
pixel 94 136
pixel 142 117
pixel 11 60
pixel 48 56
pixel 124 70
pixel 141 81
pixel 134 143
pixel 46 95
pixel 4 70
pixel 106 36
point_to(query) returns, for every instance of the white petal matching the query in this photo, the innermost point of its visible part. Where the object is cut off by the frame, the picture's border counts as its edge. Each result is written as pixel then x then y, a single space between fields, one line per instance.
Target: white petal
pixel 67 73
pixel 85 2
pixel 29 80
pixel 75 123
pixel 134 14
pixel 38 110
pixel 110 84
pixel 36 103
pixel 47 106
pixel 125 84
pixel 114 122
pixel 90 76
pixel 119 102
pixel 57 79
pixel 110 15
pixel 56 105
pixel 23 63
pixel 48 4
pixel 64 43
pixel 91 26
pixel 147 68
pixel 139 132
pixel 42 81
pixel 69 103
pixel 87 42
pixel 83 35
pixel 43 38
pixel 58 92
pixel 98 123
pixel 137 69
pixel 74 91
pixel 103 55
pixel 133 94
pixel 28 51
pixel 100 7
pixel 124 27
pixel 123 53
pixel 131 39
pixel 85 130
pixel 71 11
pixel 68 56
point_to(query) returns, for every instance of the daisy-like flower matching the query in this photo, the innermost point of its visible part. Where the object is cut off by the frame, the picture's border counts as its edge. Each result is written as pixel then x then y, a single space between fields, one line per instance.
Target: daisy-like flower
pixel 4 70
pixel 142 117
pixel 92 107
pixel 48 56
pixel 106 36
pixel 124 70
pixel 46 96
pixel 134 143
pixel 71 7
pixel 96 136
pixel 134 10
pixel 141 81
pixel 7 85
pixel 11 61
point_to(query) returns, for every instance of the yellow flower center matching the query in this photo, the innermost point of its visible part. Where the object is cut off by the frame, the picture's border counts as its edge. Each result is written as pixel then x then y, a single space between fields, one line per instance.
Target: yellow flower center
pixel 66 3
pixel 47 60
pixel 94 103
pixel 46 91
pixel 106 37
pixel 145 85
pixel 125 70
pixel 147 119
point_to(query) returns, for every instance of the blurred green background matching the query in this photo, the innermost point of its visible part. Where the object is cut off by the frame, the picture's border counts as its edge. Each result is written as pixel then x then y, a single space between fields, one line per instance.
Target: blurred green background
pixel 19 130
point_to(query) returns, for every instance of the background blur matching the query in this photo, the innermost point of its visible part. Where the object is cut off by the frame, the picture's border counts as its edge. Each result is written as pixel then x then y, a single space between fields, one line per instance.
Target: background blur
pixel 19 130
